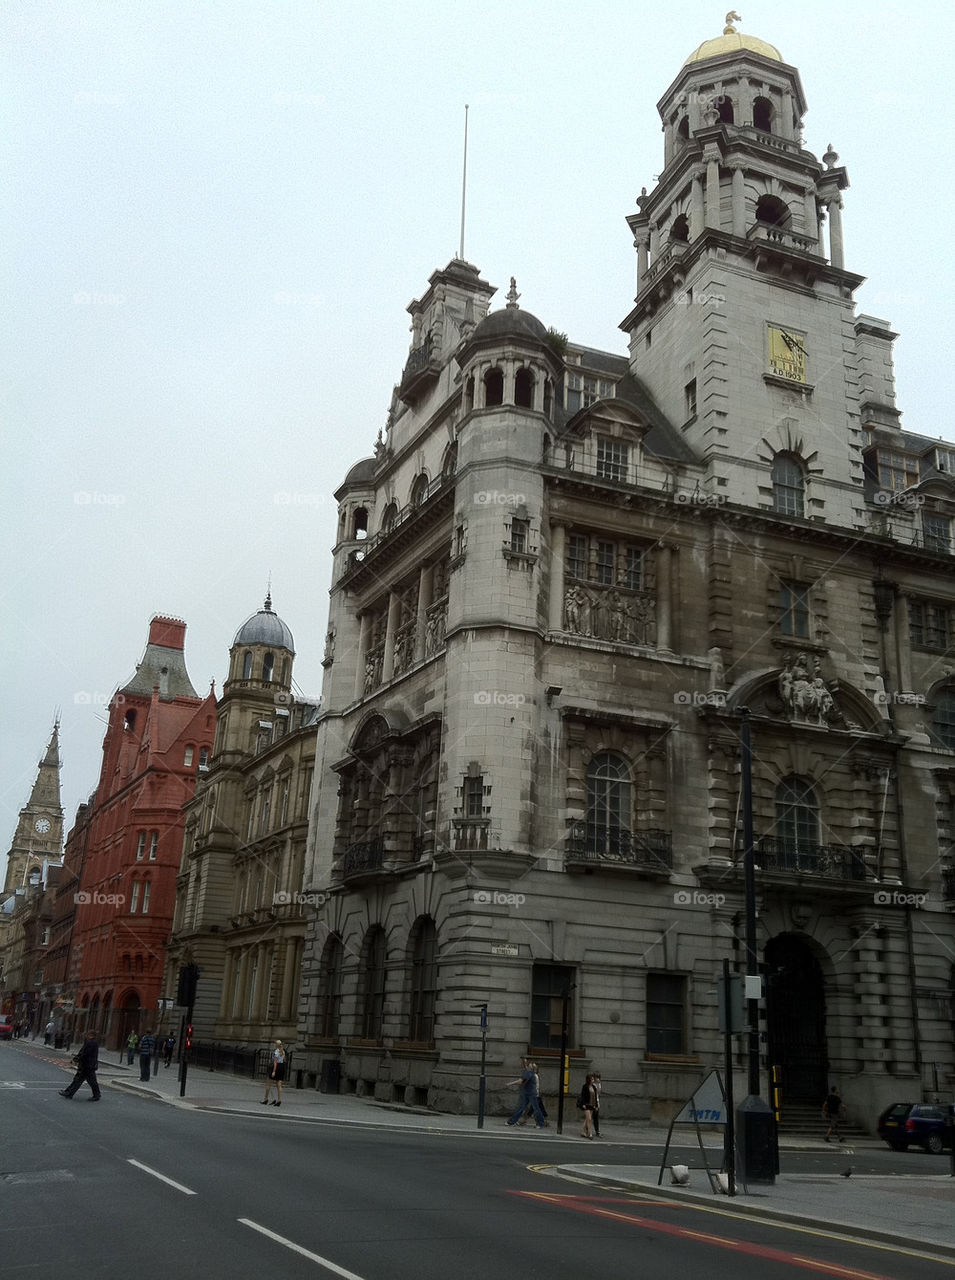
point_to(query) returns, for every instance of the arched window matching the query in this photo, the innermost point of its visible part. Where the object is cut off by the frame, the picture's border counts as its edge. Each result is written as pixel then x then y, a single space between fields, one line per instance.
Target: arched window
pixel 247 666
pixel 424 980
pixel 772 211
pixel 683 130
pixel 680 229
pixel 419 490
pixel 494 387
pixel 389 517
pixel 469 394
pixel 789 485
pixel 372 983
pixel 268 667
pixel 797 824
pixel 330 988
pixel 763 115
pixel 360 523
pixel 129 721
pixel 608 804
pixel 724 106
pixel 524 389
pixel 943 719
pixel 450 463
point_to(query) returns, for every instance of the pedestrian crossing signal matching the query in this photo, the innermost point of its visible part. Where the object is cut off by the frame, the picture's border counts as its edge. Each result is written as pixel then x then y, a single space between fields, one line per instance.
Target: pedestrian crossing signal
pixel 189 1037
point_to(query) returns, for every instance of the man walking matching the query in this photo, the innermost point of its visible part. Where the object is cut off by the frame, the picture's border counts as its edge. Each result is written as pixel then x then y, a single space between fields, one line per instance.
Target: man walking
pixel 528 1096
pixel 833 1112
pixel 87 1060
pixel 147 1047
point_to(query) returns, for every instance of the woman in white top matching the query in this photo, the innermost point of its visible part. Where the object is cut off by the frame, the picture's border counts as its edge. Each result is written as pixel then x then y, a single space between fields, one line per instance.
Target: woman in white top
pixel 276 1075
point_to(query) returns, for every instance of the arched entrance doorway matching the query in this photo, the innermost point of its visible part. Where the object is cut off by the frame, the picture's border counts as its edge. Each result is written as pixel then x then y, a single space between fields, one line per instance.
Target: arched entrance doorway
pixel 796 1018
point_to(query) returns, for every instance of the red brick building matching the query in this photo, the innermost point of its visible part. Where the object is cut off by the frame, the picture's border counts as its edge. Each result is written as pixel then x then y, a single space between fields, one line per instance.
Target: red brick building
pixel 159 736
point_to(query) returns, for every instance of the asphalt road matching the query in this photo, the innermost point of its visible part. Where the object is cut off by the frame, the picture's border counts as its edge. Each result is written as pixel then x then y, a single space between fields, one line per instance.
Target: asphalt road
pixel 129 1186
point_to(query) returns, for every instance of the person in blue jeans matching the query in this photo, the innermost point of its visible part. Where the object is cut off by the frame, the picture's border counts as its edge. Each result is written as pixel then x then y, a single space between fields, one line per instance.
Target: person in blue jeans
pixel 528 1098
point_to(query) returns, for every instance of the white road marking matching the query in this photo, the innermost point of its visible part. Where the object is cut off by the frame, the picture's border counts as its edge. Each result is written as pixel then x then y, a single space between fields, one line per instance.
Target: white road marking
pixel 162 1177
pixel 297 1248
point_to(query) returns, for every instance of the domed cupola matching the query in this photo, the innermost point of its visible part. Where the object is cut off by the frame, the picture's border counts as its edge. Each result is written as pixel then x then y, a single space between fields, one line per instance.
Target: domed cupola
pixel 263 649
pixel 508 359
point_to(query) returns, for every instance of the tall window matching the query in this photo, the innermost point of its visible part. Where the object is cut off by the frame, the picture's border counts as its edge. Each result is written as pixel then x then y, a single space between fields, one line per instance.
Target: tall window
pixel 147 887
pixel 797 816
pixel 520 531
pixel 551 983
pixel 794 610
pixel 247 666
pixel 424 980
pixel 330 988
pixel 896 470
pixel 134 898
pixel 606 563
pixel 666 1013
pixel 153 845
pixel 373 983
pixel 608 804
pixel 141 846
pixel 473 797
pixel 789 484
pixel 268 667
pixel 943 719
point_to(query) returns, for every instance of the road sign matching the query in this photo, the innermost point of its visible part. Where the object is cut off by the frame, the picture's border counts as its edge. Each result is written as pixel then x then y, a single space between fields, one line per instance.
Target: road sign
pixel 706 1104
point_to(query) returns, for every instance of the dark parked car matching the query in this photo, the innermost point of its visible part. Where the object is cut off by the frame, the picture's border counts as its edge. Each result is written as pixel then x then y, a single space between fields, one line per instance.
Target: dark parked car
pixel 917 1124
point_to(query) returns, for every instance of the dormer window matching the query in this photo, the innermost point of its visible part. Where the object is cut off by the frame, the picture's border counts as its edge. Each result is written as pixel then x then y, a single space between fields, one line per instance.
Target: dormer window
pixel 937 532
pixel 896 471
pixel 613 459
pixel 945 461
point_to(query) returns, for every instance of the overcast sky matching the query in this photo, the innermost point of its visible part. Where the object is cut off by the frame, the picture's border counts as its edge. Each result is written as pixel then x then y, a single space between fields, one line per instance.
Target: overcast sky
pixel 217 213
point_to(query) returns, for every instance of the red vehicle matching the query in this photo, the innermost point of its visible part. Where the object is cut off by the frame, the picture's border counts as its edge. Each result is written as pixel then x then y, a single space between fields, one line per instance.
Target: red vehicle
pixel 6 1028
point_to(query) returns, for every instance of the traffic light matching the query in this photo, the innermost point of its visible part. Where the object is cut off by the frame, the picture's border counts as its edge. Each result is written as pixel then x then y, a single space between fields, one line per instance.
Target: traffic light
pixel 189 1037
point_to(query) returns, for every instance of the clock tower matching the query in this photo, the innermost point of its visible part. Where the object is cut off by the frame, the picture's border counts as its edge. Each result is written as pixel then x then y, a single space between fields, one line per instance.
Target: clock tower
pixel 744 328
pixel 39 834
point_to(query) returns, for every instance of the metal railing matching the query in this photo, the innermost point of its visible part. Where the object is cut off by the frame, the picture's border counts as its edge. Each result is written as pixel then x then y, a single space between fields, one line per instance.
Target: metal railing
pixel 830 861
pixel 364 855
pixel 240 1059
pixel 651 849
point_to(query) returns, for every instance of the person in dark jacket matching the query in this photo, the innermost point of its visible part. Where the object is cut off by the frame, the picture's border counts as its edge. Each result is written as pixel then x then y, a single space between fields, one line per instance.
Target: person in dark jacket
pixel 147 1047
pixel 87 1060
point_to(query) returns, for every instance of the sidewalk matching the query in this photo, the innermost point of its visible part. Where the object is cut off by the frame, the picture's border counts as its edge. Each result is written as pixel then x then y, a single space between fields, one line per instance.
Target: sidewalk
pixel 916 1212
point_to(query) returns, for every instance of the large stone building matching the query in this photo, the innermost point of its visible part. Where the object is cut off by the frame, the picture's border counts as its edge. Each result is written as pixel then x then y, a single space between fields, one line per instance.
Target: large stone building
pixel 125 848
pixel 240 914
pixel 557 583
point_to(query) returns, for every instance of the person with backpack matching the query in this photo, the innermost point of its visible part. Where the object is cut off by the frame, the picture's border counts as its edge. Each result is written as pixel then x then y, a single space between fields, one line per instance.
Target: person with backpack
pixel 147 1047
pixel 587 1102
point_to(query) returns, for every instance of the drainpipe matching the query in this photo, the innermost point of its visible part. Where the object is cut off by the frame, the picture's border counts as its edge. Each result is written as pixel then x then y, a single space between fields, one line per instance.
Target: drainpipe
pixel 885 604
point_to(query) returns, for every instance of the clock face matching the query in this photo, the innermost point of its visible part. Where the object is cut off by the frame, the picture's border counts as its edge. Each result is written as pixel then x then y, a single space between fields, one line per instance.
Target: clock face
pixel 42 826
pixel 787 354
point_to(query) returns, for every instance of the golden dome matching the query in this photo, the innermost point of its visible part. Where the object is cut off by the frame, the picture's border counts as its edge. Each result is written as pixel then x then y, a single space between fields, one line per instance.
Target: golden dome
pixel 733 42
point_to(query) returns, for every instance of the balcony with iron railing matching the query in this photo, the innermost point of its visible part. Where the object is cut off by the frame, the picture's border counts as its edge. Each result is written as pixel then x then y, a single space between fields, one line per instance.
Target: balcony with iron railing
pixel 363 858
pixel 470 835
pixel 799 857
pixel 440 485
pixel 649 851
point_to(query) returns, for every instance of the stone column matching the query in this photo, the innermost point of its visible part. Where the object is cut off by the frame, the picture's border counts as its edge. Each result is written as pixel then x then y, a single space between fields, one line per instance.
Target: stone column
pixel 696 205
pixel 836 253
pixel 425 587
pixel 286 1008
pixel 509 377
pixel 712 158
pixel 388 661
pixel 225 1002
pixel 809 217
pixel 642 245
pixel 363 634
pixel 739 200
pixel 555 619
pixel 664 597
pixel 902 653
pixel 785 119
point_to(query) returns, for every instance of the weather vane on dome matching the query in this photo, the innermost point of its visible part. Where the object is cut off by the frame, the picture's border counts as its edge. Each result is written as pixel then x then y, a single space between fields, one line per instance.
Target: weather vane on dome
pixel 731 17
pixel 512 294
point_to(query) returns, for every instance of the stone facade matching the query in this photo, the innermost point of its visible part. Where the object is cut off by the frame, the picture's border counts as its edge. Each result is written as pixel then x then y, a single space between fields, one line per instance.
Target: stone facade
pixel 558 582
pixel 240 914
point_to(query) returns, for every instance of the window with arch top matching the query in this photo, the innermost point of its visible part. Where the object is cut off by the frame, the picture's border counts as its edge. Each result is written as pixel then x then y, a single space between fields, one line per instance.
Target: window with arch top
pixel 424 980
pixel 247 665
pixel 524 388
pixel 608 804
pixel 419 490
pixel 763 115
pixel 680 229
pixel 772 211
pixel 797 819
pixel 268 667
pixel 494 387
